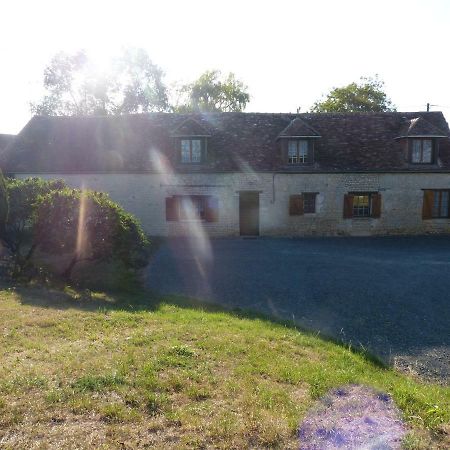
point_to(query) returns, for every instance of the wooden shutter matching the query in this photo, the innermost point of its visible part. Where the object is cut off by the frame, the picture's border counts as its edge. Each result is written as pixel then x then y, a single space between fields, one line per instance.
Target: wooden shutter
pixel 376 205
pixel 348 206
pixel 296 205
pixel 427 209
pixel 171 208
pixel 212 209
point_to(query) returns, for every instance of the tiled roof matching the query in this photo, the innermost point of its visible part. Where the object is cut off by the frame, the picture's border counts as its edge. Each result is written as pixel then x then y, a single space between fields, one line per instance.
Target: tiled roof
pixel 298 128
pixel 420 127
pixel 190 127
pixel 6 139
pixel 128 143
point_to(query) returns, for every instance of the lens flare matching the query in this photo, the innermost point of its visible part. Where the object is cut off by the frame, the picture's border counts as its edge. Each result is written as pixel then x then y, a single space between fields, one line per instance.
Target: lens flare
pixel 81 231
pixel 190 228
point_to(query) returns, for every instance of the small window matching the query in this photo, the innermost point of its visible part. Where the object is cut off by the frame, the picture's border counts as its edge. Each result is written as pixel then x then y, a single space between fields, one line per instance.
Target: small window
pixel 191 151
pixel 298 151
pixel 361 205
pixel 191 208
pixel 421 151
pixel 309 202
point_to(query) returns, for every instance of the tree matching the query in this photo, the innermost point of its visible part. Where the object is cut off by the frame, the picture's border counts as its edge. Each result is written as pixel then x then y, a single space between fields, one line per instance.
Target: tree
pixel 212 92
pixel 75 87
pixel 366 96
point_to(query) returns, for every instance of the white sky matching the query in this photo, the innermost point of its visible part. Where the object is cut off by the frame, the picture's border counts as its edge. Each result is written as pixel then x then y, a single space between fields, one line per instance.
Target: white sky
pixel 289 53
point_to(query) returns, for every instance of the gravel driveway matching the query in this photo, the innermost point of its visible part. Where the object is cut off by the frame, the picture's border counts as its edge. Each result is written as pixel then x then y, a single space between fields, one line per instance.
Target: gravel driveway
pixel 389 294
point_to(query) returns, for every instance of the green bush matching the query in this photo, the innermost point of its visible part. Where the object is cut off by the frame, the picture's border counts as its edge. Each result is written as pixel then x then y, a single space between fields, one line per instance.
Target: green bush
pixel 88 226
pixel 83 226
pixel 22 198
pixel 3 205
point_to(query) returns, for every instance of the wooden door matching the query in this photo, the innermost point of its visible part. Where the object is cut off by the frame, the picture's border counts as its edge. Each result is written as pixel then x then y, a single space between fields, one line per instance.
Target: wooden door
pixel 249 213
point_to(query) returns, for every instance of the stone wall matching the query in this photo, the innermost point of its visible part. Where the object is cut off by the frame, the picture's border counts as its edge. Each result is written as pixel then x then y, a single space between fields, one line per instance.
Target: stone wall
pixel 401 212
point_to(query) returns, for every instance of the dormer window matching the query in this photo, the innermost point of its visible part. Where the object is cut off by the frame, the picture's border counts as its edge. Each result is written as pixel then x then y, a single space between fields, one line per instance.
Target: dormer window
pixel 421 151
pixel 297 142
pixel 191 151
pixel 190 141
pixel 298 151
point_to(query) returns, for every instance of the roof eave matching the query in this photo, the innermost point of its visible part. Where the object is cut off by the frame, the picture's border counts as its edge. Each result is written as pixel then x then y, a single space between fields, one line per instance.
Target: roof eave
pixel 421 136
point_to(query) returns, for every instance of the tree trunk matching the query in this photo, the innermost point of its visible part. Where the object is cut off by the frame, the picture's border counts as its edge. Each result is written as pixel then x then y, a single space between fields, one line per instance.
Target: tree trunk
pixel 68 272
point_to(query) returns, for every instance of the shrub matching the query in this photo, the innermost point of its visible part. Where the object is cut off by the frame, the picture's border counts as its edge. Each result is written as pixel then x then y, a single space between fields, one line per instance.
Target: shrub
pixel 22 198
pixel 3 205
pixel 58 221
pixel 88 226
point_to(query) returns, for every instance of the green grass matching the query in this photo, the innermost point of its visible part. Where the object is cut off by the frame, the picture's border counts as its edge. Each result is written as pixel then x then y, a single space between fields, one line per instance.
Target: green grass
pixel 126 371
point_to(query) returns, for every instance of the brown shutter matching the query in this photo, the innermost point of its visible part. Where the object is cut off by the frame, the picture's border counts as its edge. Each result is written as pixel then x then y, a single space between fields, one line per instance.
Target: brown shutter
pixel 296 205
pixel 427 210
pixel 171 208
pixel 348 206
pixel 376 205
pixel 212 209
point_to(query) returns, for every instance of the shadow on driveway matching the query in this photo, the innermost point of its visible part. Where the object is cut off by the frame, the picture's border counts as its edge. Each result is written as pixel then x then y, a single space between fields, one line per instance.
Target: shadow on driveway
pixel 390 295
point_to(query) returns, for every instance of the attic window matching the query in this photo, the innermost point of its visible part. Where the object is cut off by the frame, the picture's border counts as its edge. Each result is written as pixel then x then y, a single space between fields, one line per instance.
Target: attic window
pixel 298 151
pixel 191 151
pixel 421 151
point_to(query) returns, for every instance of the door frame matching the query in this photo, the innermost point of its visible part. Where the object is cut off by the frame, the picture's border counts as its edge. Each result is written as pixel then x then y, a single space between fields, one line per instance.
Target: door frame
pixel 256 194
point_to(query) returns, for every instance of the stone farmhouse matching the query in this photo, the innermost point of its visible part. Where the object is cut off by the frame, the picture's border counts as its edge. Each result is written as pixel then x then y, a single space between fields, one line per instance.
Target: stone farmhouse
pixel 248 174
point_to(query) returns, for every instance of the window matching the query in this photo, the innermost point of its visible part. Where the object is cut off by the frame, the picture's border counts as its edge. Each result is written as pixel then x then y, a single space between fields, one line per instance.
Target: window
pixel 436 204
pixel 309 202
pixel 362 204
pixel 192 207
pixel 422 151
pixel 298 151
pixel 300 204
pixel 191 151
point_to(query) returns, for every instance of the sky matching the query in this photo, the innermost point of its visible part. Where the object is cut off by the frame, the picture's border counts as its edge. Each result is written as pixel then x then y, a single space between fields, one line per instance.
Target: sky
pixel 288 53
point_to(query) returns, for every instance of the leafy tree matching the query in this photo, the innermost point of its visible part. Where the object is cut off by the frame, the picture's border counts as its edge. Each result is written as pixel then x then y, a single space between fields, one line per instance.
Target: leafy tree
pixel 213 92
pixel 74 87
pixel 366 96
pixel 88 226
pixel 141 87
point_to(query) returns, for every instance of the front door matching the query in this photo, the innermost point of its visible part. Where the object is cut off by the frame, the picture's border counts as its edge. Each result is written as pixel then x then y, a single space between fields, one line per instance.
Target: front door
pixel 249 213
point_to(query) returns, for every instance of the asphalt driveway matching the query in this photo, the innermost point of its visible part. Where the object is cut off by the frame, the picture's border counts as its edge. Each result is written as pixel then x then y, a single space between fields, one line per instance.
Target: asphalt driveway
pixel 389 294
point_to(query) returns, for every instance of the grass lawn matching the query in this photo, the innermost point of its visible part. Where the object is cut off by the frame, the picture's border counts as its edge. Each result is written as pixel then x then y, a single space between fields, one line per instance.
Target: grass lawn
pixel 126 371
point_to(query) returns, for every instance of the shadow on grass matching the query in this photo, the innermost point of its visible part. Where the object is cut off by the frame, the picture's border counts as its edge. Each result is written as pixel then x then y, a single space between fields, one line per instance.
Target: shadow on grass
pixel 141 300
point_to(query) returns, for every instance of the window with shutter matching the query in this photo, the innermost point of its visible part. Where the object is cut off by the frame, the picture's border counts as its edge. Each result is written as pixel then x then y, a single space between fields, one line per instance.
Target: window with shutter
pixel 362 204
pixel 436 204
pixel 192 207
